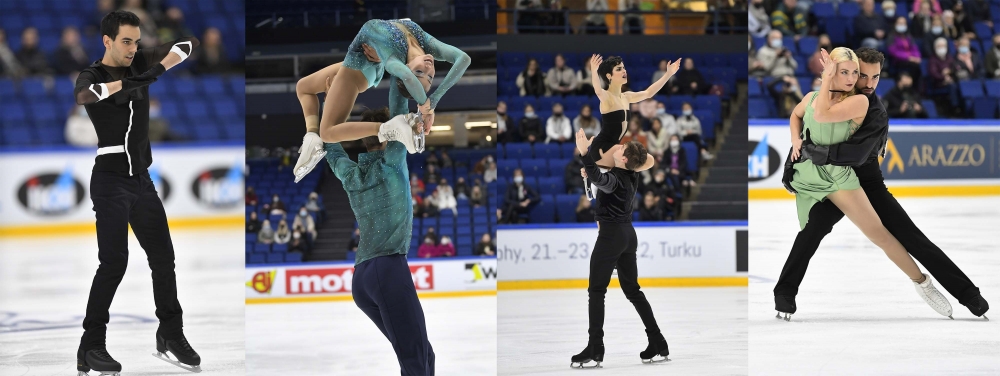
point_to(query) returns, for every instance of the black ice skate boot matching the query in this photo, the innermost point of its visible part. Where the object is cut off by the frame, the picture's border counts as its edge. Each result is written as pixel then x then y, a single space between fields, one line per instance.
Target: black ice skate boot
pixel 657 350
pixel 178 351
pixel 784 304
pixel 593 352
pixel 978 306
pixel 99 360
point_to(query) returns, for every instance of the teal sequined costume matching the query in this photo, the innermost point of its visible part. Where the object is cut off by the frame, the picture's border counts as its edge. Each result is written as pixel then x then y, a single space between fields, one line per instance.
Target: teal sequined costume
pixel 389 42
pixel 378 187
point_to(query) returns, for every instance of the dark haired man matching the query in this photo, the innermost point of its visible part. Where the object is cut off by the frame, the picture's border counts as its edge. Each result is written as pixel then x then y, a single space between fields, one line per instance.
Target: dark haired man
pixel 378 187
pixel 616 247
pixel 115 94
pixel 862 151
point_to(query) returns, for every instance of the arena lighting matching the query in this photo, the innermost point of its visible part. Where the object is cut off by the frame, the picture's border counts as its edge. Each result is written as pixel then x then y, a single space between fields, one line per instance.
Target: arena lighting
pixel 436 128
pixel 472 124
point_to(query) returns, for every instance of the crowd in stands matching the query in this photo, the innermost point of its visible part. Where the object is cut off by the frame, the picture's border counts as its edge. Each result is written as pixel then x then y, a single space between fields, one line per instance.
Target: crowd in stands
pixel 942 56
pixel 271 227
pixel 549 16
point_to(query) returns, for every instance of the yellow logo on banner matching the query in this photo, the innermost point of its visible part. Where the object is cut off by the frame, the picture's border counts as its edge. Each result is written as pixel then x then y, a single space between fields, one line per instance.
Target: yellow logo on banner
pixel 262 281
pixel 895 159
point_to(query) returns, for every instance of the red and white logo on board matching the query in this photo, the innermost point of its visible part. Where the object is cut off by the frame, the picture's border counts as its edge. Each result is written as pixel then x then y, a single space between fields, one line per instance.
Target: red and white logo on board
pixel 338 280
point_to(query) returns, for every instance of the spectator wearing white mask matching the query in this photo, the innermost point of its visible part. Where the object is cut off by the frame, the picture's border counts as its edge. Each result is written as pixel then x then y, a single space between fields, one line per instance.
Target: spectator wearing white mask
pixel 690 130
pixel 558 127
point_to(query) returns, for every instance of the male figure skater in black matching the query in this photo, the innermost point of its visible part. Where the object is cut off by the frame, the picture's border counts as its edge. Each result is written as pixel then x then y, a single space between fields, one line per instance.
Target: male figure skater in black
pixel 115 92
pixel 616 246
pixel 862 151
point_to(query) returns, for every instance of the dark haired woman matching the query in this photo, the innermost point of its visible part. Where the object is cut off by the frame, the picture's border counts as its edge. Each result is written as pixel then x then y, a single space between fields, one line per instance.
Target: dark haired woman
pixel 399 47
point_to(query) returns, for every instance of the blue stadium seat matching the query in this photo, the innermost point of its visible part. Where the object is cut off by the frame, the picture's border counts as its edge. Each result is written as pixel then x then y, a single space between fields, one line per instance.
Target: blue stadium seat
pixel 567 149
pixel 848 9
pixel 257 258
pixel 693 156
pixel 551 185
pixel 534 167
pixel 808 45
pixel 282 248
pixel 985 108
pixel 971 88
pixel 566 207
pixel 505 167
pixel 251 237
pixel 759 108
pixel 754 89
pixel 261 247
pixel 275 258
pixel 547 151
pixel 930 108
pixel 544 212
pixel 993 88
pixel 293 257
pixel 518 151
pixel 557 167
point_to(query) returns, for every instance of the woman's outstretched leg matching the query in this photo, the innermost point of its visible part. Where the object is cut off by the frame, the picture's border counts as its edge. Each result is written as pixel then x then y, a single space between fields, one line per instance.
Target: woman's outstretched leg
pixel 340 97
pixel 858 209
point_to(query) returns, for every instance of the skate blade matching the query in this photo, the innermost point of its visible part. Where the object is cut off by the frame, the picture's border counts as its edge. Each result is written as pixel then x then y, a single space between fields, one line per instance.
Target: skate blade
pixel 987 318
pixel 583 365
pixel 301 172
pixel 788 316
pixel 656 359
pixel 169 359
pixel 103 373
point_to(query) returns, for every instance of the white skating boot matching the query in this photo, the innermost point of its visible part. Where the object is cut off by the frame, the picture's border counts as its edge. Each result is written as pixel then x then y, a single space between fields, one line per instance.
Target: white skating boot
pixel 933 297
pixel 310 154
pixel 400 128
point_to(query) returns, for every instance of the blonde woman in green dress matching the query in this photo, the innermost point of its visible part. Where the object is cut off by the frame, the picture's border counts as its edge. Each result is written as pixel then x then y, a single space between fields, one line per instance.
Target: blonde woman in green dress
pixel 830 116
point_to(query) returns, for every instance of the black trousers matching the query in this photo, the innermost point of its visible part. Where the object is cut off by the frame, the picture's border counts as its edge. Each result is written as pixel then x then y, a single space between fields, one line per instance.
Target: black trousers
pixel 616 246
pixel 383 288
pixel 824 215
pixel 119 201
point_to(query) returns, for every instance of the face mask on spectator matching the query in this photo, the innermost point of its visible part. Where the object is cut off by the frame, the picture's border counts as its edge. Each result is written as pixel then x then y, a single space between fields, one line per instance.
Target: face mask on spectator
pixel 776 43
pixel 445 240
pixel 674 144
pixel 963 49
pixel 891 12
pixel 936 30
pixel 530 115
pixel 428 241
pixel 941 52
pixel 660 111
pixel 519 179
pixel 686 112
pixel 489 158
pixel 303 212
pixel 900 29
pixel 275 198
pixel 296 235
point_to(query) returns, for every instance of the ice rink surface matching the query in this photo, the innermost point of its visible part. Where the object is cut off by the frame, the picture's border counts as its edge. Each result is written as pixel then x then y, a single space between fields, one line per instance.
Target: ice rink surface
pixel 858 314
pixel 336 338
pixel 44 284
pixel 706 329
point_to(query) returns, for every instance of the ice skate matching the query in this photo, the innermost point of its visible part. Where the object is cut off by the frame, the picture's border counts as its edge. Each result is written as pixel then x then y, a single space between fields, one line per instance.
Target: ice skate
pixel 656 351
pixel 99 360
pixel 978 306
pixel 933 297
pixel 311 153
pixel 401 128
pixel 178 352
pixel 593 352
pixel 784 304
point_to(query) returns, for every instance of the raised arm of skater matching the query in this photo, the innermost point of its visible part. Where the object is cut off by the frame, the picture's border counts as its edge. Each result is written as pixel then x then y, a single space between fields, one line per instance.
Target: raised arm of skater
pixel 852 108
pixel 639 96
pixel 595 79
pixel 152 61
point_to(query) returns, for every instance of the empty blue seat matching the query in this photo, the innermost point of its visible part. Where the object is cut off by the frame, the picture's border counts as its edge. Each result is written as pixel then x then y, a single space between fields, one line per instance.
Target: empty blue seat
pixel 293 257
pixel 985 108
pixel 544 212
pixel 261 247
pixel 275 258
pixel 518 151
pixel 258 258
pixel 566 207
pixel 534 167
pixel 279 248
pixel 971 88
pixel 547 151
pixel 693 156
pixel 551 185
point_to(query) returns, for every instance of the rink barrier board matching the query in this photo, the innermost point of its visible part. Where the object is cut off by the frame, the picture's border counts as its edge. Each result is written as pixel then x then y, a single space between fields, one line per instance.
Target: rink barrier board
pixel 344 298
pixel 644 282
pixel 668 254
pixel 196 223
pixel 924 158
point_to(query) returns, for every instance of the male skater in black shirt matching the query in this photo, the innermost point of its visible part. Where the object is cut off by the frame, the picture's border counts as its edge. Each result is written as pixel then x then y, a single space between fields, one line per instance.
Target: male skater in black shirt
pixel 616 246
pixel 115 92
pixel 862 151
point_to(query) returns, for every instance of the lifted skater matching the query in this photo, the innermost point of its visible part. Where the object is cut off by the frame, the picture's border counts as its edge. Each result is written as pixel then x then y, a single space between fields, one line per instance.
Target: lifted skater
pixel 114 91
pixel 616 246
pixel 378 186
pixel 861 152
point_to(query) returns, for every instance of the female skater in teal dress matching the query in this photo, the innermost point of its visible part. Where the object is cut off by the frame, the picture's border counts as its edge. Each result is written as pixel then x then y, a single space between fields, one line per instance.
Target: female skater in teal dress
pixel 830 116
pixel 399 47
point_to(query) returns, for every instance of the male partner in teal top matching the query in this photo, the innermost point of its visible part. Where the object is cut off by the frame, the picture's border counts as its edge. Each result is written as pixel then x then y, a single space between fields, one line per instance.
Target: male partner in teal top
pixel 378 187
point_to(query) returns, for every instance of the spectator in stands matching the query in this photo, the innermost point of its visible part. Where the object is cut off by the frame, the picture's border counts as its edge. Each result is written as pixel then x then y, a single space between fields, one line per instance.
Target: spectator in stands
pixel 446 159
pixel 314 205
pixel 504 134
pixel 903 101
pixel 172 26
pixel 211 55
pixel 70 57
pixel 571 175
pixel 668 121
pixel 485 247
pixel 789 20
pixel 690 129
pixel 427 249
pixel 446 198
pixel 815 61
pixel 431 235
pixel 661 69
pixel 632 22
pixel 490 175
pixel 869 27
pixel 755 67
pixel 461 188
pixel 557 127
pixel 586 121
pixel 283 235
pixel 306 221
pixel 594 22
pixel 446 249
pixel 978 11
pixel 775 58
pixel 299 245
pixel 416 185
pixel 690 81
pixel 635 132
pixel 476 198
pixel 431 204
pixel 658 139
pixel 937 31
pixel 531 125
pixel 948 28
pixel 80 129
pixel 993 59
pixel 561 79
pixel 889 13
pixel 786 93
pixel 277 207
pixel 584 212
pixel 968 63
pixel 920 24
pixel 932 7
pixel 418 205
pixel 670 198
pixel 31 56
pixel 531 81
pixel 159 126
pixel 9 66
pixel 650 210
pixel 675 163
pixel 146 23
pixel 760 23
pixel 251 197
pixel 583 79
pixel 266 234
pixel 253 224
pixel 529 22
pixel 431 173
pixel 520 198
pixel 903 50
pixel 432 159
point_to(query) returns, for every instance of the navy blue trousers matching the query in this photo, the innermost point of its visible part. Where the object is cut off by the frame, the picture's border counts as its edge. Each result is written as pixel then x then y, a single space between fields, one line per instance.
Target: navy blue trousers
pixel 383 289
